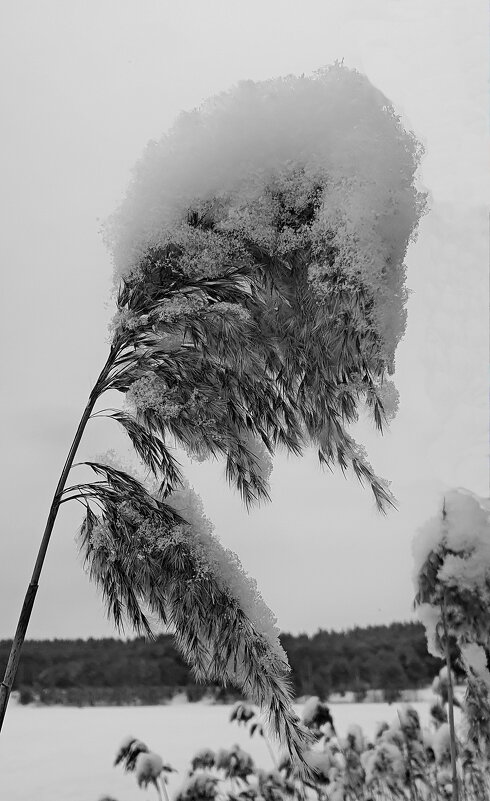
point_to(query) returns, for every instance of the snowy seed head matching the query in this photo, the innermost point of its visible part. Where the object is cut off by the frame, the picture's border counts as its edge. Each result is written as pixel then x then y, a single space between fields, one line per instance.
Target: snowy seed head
pixel 148 768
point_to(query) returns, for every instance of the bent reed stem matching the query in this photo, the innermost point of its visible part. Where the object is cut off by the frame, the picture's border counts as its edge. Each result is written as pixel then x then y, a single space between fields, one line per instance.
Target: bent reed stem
pixel 162 789
pixel 30 596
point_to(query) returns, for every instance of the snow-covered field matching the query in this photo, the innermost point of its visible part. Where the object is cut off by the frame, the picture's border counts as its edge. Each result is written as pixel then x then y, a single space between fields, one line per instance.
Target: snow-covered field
pixel 67 753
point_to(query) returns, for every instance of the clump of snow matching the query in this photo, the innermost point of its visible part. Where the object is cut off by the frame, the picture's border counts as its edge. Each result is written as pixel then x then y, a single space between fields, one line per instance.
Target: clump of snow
pixel 255 159
pixel 390 398
pixel 475 661
pixel 260 455
pixel 150 392
pixel 441 682
pixel 430 617
pixel 148 768
pixel 464 529
pixel 441 743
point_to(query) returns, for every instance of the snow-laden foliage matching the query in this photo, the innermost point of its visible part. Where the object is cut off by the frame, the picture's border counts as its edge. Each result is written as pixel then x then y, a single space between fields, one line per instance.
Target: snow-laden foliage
pixel 225 566
pixel 162 557
pixel 259 261
pixel 404 762
pixel 148 768
pixel 452 574
pixel 204 758
pixel 452 569
pixel 255 160
pixel 278 214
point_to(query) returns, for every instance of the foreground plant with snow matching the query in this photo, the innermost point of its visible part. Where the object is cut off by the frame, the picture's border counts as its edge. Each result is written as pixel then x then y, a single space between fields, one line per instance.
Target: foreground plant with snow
pixel 259 259
pixel 402 761
pixel 148 767
pixel 452 554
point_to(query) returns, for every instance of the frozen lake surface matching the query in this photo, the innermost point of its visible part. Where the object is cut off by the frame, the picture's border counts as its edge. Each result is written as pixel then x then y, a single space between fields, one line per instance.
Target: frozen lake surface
pixel 66 753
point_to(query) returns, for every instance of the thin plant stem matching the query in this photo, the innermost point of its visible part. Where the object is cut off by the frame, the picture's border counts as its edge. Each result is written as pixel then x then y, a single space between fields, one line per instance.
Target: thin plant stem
pixel 450 703
pixel 162 789
pixel 30 596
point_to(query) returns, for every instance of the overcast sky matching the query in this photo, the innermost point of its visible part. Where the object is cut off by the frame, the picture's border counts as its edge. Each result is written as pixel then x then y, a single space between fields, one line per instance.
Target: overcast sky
pixel 85 86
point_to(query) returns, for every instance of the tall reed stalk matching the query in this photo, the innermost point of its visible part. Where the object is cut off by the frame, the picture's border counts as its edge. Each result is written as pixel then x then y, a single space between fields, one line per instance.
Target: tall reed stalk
pixel 30 596
pixel 162 789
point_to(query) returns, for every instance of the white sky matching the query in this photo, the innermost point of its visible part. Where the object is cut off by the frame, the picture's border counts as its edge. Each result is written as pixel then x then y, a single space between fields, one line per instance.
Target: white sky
pixel 85 86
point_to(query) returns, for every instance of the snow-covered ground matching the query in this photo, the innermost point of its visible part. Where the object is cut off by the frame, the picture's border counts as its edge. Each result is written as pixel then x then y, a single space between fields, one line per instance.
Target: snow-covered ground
pixel 67 753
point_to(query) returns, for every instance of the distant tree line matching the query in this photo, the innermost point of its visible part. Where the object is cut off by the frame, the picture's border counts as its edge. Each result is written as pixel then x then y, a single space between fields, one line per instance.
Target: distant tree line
pixel 101 671
pixel 388 658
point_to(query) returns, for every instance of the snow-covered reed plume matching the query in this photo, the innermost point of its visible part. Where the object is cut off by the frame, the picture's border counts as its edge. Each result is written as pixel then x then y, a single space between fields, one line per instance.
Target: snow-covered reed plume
pixel 285 206
pixel 452 561
pixel 170 563
pixel 404 763
pixel 452 575
pixel 148 767
pixel 259 261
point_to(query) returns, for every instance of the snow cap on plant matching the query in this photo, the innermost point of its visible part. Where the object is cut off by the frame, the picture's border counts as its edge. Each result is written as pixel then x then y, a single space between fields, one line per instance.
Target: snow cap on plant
pixel 170 563
pixel 298 231
pixel 148 768
pixel 261 300
pixel 452 557
pixel 332 136
pixel 204 758
pixel 452 571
